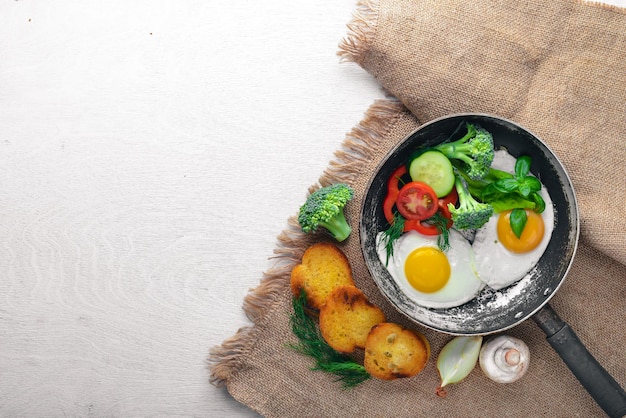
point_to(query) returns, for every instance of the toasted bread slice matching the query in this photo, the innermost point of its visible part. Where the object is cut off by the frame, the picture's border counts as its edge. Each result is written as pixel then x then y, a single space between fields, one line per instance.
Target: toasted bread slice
pixel 324 267
pixel 392 352
pixel 347 318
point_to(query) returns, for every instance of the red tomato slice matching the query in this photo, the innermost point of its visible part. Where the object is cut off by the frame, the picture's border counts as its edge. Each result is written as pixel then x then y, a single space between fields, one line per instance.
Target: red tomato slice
pixel 417 201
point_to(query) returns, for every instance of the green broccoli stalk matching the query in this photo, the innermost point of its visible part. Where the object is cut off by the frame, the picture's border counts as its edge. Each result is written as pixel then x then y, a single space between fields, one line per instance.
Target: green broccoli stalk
pixel 475 150
pixel 470 214
pixel 325 208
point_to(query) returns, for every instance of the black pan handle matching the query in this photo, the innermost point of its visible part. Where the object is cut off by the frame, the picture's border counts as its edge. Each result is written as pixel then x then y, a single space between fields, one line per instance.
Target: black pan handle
pixel 598 382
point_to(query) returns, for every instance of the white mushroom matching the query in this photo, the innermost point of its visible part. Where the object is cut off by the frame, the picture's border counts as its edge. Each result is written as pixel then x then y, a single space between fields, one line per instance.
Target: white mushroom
pixel 504 359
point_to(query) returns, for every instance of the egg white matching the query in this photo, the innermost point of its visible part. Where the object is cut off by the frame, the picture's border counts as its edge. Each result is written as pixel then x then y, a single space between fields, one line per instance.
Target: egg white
pixel 496 266
pixel 463 284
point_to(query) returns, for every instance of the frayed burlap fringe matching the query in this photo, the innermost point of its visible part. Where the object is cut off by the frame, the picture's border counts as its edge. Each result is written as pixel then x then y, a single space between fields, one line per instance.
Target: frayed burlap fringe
pixel 361 31
pixel 600 4
pixel 225 360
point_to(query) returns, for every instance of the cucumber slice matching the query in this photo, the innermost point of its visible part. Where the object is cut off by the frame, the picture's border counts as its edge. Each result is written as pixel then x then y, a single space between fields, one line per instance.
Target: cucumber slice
pixel 434 169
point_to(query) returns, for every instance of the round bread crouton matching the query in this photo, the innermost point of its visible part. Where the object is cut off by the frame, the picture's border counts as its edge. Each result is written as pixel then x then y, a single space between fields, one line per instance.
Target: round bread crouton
pixel 324 267
pixel 392 352
pixel 347 318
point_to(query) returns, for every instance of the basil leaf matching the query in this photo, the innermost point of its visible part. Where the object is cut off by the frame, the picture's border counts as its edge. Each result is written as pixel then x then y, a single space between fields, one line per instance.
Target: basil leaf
pixel 511 201
pixel 489 193
pixel 506 185
pixel 524 189
pixel 533 183
pixel 540 204
pixel 494 174
pixel 522 167
pixel 517 221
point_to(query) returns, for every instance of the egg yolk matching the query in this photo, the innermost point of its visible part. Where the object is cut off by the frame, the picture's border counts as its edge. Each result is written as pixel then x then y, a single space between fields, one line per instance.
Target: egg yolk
pixel 531 235
pixel 427 269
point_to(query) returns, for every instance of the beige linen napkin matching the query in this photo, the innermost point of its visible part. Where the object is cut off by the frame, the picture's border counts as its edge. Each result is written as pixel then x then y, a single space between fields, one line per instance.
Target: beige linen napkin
pixel 555 67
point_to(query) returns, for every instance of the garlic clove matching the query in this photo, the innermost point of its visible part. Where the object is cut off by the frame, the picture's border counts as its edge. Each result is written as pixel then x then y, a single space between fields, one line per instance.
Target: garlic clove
pixel 456 360
pixel 504 359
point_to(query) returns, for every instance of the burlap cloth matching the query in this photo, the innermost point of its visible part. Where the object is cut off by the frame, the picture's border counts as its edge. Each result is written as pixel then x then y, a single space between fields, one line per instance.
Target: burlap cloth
pixel 557 67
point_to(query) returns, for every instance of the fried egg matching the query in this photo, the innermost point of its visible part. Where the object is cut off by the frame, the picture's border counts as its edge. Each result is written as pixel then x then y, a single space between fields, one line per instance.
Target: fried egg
pixel 501 258
pixel 428 276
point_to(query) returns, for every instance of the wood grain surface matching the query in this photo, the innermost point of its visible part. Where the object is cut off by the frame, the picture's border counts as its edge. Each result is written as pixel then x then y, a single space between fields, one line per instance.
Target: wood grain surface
pixel 150 153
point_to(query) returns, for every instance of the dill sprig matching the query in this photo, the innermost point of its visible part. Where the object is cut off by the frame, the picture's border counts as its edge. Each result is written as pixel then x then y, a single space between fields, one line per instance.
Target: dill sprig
pixel 312 344
pixel 441 222
pixel 391 234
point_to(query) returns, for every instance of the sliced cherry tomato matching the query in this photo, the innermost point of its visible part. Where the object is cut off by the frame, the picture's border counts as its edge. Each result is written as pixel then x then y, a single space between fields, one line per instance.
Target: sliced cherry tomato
pixel 417 201
pixel 392 192
pixel 426 228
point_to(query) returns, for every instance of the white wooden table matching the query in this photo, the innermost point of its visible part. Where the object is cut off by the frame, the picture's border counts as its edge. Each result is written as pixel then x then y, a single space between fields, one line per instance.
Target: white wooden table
pixel 150 153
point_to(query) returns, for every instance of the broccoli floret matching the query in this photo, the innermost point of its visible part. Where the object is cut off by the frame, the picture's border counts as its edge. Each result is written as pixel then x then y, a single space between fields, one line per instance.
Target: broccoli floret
pixel 470 214
pixel 475 150
pixel 325 208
